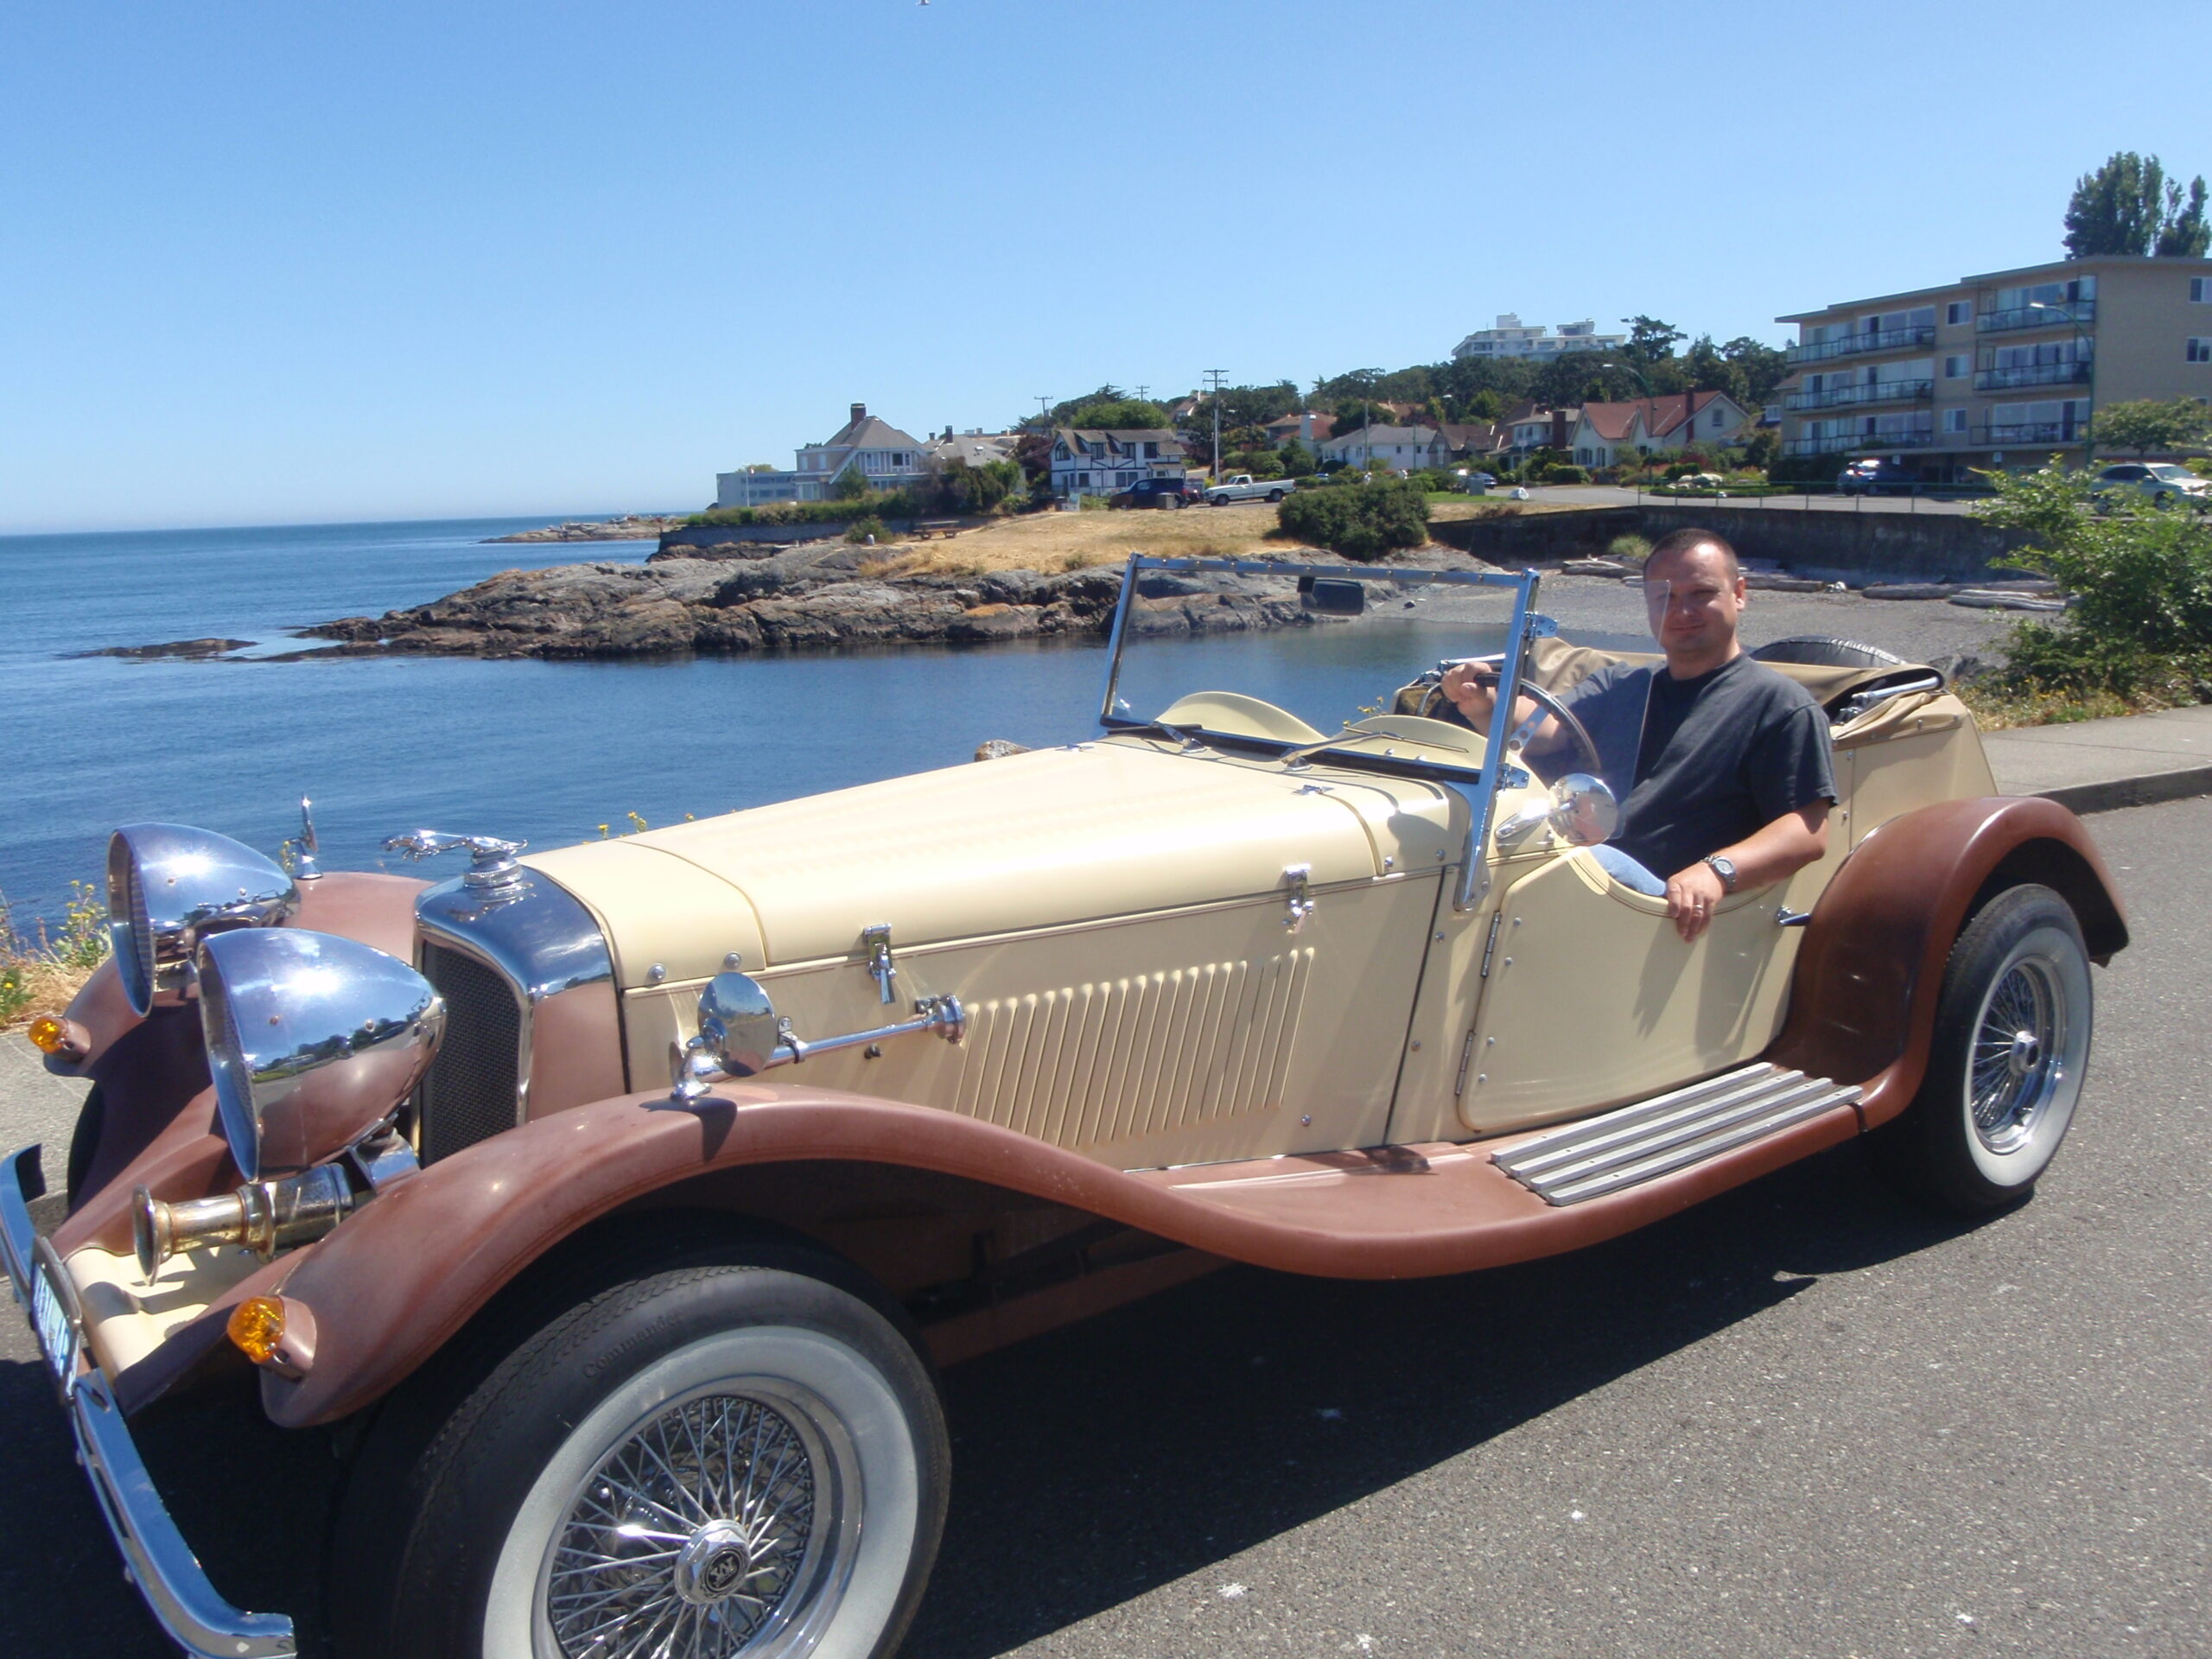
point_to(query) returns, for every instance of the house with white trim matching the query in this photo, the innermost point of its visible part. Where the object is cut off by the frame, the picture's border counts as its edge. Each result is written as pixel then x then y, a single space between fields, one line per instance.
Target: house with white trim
pixel 1095 460
pixel 1401 448
pixel 1604 434
pixel 887 457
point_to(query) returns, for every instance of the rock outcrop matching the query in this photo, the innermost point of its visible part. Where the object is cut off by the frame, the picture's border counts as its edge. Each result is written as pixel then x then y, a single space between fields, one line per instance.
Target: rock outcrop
pixel 814 596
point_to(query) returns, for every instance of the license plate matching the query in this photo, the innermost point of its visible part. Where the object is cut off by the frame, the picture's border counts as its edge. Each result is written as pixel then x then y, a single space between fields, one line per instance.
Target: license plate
pixel 55 1334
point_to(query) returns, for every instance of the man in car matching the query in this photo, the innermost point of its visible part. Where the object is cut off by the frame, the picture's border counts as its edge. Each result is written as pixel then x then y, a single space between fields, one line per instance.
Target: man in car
pixel 1721 765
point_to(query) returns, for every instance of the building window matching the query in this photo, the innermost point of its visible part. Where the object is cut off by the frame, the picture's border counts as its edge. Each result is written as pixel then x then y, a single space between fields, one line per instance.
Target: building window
pixel 2200 349
pixel 2200 290
pixel 1955 420
pixel 1955 367
pixel 1959 311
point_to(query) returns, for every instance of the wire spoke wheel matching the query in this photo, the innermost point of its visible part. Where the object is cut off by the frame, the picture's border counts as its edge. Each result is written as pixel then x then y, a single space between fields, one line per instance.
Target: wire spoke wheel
pixel 2006 1064
pixel 691 1537
pixel 712 1528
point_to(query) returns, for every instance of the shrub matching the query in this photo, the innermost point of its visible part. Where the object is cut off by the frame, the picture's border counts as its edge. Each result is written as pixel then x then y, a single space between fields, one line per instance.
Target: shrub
pixel 860 529
pixel 1360 521
pixel 2141 622
pixel 40 976
pixel 1628 549
pixel 1561 472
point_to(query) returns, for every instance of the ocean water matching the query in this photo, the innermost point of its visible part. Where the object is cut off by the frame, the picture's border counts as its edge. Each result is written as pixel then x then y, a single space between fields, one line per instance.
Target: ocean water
pixel 545 751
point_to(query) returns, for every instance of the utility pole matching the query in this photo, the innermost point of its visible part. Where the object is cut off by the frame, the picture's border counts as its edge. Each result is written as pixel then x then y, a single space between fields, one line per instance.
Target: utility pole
pixel 1044 409
pixel 1214 377
pixel 1141 390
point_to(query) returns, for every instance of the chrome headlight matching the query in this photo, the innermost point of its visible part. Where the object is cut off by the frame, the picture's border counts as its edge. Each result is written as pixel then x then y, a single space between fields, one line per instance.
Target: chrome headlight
pixel 170 885
pixel 313 1041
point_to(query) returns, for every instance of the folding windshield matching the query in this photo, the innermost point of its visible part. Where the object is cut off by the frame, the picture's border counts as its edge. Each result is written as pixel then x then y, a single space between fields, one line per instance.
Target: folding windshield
pixel 1353 638
pixel 1321 678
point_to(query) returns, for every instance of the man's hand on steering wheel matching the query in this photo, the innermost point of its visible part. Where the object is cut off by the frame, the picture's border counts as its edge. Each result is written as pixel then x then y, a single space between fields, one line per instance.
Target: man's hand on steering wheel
pixel 1548 725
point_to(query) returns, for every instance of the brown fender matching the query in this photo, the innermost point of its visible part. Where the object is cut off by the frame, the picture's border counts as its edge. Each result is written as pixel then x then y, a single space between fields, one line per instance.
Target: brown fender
pixel 1862 1004
pixel 394 1282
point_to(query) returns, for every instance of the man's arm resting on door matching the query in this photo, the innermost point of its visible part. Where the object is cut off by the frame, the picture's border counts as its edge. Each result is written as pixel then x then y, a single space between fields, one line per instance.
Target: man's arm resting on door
pixel 1769 854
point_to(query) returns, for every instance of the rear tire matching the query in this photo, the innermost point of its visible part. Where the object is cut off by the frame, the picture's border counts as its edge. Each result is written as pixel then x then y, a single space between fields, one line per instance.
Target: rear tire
pixel 2004 1070
pixel 723 1456
pixel 1275 495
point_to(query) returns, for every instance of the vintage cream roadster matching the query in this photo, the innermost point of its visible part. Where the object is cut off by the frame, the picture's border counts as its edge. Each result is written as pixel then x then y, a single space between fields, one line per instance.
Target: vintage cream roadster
pixel 615 1204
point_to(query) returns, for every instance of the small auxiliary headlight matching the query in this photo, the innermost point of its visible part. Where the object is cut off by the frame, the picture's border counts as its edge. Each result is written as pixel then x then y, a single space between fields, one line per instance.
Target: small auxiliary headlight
pixel 257 1327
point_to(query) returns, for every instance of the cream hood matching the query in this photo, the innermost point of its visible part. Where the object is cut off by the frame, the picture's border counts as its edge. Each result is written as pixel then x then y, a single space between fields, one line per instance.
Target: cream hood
pixel 1038 839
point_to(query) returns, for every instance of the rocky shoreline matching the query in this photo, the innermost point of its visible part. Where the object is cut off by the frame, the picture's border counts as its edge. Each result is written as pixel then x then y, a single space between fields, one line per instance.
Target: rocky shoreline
pixel 811 596
pixel 631 527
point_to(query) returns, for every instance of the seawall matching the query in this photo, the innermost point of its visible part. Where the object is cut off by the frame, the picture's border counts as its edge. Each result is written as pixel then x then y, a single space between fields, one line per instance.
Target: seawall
pixel 1824 544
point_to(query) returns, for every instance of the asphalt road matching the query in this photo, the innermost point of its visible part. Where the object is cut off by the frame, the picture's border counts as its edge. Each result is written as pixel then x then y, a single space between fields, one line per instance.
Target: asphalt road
pixel 1806 1418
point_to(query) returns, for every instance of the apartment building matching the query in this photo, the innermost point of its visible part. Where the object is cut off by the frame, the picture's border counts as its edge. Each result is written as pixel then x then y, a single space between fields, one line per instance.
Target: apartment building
pixel 1512 339
pixel 2000 370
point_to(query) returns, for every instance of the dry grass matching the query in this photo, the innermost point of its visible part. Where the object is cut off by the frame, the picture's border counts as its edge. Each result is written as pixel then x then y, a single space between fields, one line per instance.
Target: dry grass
pixel 1995 708
pixel 40 974
pixel 1077 541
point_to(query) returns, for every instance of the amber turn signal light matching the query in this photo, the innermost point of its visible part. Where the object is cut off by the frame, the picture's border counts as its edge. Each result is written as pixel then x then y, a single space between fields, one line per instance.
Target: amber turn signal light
pixel 49 1035
pixel 257 1326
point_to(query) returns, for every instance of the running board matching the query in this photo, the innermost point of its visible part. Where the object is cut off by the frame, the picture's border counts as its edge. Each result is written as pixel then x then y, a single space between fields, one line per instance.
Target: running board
pixel 1636 1143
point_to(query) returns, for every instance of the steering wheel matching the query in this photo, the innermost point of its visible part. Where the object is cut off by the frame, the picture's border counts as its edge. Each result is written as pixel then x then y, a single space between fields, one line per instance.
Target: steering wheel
pixel 1547 703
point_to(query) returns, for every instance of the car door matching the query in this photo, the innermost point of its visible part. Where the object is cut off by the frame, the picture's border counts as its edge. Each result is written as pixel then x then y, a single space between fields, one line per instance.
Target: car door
pixel 1590 997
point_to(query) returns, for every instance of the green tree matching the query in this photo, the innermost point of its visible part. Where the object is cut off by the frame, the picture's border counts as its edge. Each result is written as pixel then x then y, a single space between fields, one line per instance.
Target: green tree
pixel 1297 459
pixel 1650 341
pixel 1119 415
pixel 2184 234
pixel 1764 367
pixel 2148 424
pixel 2129 207
pixel 851 484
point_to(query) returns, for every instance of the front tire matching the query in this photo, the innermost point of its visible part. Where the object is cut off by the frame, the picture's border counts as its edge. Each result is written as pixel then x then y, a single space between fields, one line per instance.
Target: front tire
pixel 2005 1068
pixel 717 1458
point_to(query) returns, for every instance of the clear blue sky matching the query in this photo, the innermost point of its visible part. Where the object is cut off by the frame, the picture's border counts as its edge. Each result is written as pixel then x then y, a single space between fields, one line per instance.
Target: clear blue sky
pixel 280 263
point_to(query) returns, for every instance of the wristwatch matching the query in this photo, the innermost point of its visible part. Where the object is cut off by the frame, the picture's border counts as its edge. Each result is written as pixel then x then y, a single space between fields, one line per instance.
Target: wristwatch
pixel 1723 867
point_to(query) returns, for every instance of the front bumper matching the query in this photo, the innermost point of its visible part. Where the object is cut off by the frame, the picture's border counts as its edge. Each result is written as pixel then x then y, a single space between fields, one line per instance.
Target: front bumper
pixel 157 1559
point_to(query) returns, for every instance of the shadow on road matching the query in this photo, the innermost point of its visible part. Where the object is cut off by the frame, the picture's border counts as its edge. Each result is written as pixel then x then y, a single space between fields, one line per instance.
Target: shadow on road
pixel 1091 1465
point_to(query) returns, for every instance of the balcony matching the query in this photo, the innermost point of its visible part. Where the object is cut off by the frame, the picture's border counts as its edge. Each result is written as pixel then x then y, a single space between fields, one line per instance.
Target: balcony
pixel 1882 391
pixel 2032 374
pixel 2054 314
pixel 2058 432
pixel 1889 339
pixel 1843 442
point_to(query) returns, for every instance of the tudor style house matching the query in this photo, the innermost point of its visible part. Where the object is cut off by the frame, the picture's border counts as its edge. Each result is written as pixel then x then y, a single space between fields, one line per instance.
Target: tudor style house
pixel 1088 461
pixel 887 457
pixel 1603 434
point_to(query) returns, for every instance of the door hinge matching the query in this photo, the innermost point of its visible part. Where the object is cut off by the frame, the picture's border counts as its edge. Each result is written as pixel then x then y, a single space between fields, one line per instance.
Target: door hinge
pixel 1490 944
pixel 1467 1057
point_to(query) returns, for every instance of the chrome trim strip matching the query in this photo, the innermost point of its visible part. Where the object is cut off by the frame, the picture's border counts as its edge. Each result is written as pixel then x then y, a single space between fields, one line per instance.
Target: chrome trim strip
pixel 161 1565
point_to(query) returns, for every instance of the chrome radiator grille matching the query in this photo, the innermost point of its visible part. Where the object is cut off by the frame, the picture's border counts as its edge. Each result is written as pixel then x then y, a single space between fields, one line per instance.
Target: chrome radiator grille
pixel 472 1090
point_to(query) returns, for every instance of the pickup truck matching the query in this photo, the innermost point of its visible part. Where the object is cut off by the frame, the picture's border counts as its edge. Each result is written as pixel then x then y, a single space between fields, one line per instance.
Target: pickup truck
pixel 1244 487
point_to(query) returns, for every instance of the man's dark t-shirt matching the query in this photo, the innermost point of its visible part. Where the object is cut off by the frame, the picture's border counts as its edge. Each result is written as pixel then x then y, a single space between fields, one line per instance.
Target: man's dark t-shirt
pixel 1697 765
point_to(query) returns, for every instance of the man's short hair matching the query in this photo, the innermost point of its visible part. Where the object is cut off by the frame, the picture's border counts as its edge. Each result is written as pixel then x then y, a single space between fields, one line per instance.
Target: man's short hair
pixel 1675 543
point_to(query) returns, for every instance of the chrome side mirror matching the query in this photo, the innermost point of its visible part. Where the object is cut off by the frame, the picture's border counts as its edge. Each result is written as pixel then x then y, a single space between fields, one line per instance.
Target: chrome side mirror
pixel 739 1030
pixel 1581 812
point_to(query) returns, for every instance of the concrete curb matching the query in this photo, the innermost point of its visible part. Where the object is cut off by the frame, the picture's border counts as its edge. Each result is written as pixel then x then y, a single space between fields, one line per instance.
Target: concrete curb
pixel 2148 789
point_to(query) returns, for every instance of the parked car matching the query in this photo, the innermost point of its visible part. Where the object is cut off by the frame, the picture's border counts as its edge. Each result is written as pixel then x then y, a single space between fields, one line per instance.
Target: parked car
pixel 1156 492
pixel 1475 483
pixel 1244 487
pixel 2160 483
pixel 1875 475
pixel 610 1204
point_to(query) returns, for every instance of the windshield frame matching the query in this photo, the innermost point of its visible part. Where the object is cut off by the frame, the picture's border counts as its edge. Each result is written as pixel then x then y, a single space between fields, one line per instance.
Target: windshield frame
pixel 1478 785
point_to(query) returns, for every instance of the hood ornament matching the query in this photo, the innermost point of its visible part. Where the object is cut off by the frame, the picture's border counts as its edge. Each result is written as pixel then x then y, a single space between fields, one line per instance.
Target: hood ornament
pixel 492 868
pixel 302 846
